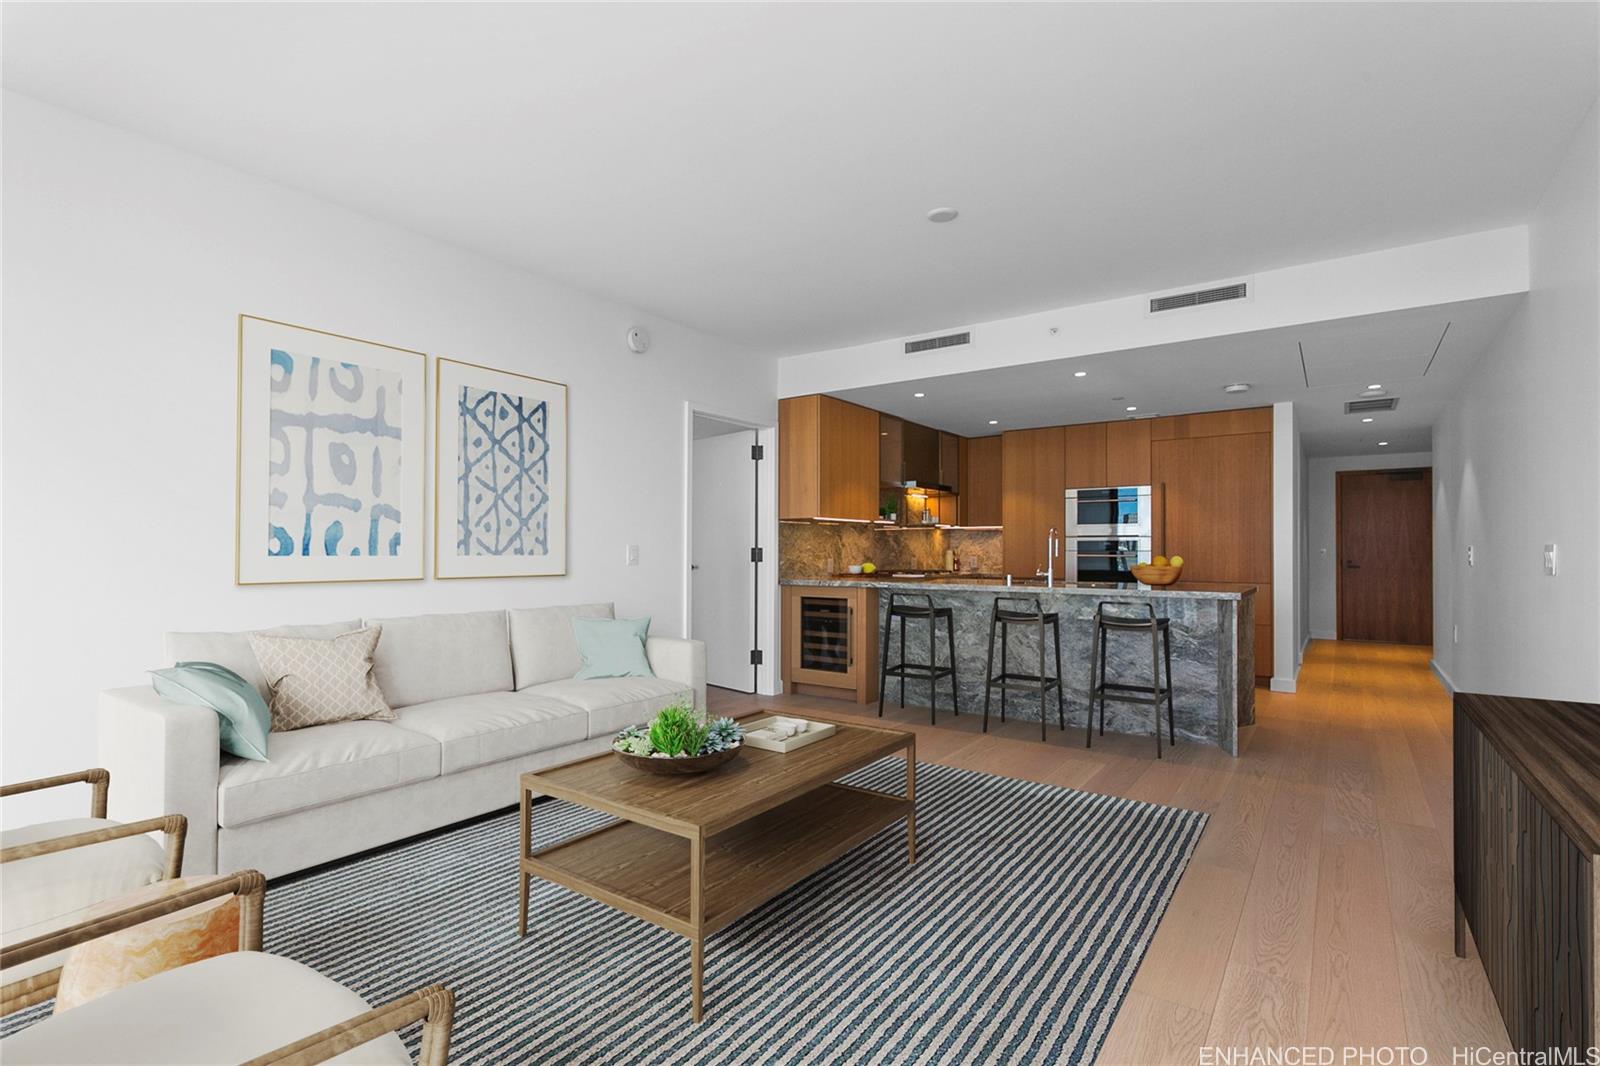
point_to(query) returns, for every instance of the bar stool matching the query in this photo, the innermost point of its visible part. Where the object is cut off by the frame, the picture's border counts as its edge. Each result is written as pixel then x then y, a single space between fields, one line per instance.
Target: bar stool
pixel 1152 694
pixel 929 671
pixel 1009 611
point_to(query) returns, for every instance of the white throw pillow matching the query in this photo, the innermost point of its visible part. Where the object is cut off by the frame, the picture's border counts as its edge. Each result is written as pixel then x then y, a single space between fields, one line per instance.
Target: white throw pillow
pixel 315 682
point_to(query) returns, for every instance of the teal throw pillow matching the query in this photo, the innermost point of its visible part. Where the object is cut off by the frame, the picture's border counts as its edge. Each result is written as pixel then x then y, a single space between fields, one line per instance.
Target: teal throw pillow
pixel 244 717
pixel 612 647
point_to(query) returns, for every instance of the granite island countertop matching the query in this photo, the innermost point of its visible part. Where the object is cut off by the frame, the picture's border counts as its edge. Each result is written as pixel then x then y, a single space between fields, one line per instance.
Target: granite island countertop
pixel 1212 642
pixel 995 582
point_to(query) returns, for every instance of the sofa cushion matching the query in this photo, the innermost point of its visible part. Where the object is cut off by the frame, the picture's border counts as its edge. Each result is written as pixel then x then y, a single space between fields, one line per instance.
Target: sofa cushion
pixel 492 726
pixel 543 646
pixel 233 649
pixel 435 656
pixel 319 682
pixel 616 702
pixel 321 765
pixel 50 892
pixel 231 1008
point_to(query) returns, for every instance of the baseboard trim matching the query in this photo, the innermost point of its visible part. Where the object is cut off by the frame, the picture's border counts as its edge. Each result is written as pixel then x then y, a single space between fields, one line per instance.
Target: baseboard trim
pixel 1315 635
pixel 1444 678
pixel 1282 684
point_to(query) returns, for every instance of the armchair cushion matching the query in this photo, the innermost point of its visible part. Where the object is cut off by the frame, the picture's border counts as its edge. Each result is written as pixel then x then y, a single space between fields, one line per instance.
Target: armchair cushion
pixel 50 892
pixel 121 958
pixel 227 1009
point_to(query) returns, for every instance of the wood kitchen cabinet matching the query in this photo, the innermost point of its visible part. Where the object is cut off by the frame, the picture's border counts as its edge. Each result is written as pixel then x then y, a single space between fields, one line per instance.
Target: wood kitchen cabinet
pixel 1214 508
pixel 1128 452
pixel 1084 462
pixel 1032 495
pixel 950 461
pixel 980 491
pixel 828 459
pixel 891 450
pixel 830 642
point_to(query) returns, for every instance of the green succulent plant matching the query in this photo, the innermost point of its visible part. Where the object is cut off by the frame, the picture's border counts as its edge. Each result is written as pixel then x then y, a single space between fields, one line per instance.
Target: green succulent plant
pixel 677 731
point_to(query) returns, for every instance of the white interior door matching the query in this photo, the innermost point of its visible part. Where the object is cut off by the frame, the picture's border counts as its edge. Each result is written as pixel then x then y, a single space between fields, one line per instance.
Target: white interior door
pixel 723 578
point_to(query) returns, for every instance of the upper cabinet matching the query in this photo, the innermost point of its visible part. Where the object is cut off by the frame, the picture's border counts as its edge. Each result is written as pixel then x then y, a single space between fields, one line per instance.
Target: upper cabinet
pixel 829 456
pixel 980 482
pixel 950 461
pixel 891 450
pixel 1084 461
pixel 921 454
pixel 1032 496
pixel 1128 452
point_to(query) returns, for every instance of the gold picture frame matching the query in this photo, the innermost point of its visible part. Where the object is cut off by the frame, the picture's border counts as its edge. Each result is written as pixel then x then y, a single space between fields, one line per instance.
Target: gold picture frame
pixel 271 418
pixel 503 538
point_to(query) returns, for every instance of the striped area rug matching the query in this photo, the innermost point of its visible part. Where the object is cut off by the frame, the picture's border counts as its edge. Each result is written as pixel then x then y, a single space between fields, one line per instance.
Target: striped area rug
pixel 1013 939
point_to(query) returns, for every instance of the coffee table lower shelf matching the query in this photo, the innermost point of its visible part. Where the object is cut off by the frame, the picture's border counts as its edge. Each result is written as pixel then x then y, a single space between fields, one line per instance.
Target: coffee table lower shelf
pixel 650 873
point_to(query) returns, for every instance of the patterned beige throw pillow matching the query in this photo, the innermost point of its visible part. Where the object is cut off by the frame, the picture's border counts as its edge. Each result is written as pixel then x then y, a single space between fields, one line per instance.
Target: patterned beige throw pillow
pixel 315 682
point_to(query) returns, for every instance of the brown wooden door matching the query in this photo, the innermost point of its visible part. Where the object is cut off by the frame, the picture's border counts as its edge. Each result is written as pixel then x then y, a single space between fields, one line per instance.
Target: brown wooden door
pixel 1385 520
pixel 1032 496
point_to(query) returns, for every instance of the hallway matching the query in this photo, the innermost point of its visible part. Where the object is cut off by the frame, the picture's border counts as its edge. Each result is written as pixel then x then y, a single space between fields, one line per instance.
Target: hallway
pixel 1318 907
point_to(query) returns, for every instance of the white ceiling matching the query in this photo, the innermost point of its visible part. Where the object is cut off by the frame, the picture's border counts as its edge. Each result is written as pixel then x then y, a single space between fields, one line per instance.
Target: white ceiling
pixel 762 171
pixel 1418 356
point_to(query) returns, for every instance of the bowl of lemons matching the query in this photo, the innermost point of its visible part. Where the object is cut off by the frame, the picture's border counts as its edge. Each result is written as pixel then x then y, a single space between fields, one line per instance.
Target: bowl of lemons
pixel 1159 571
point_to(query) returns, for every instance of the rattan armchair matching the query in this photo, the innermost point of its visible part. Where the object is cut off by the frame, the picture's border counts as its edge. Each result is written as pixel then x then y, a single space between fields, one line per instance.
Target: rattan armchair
pixel 434 1005
pixel 68 863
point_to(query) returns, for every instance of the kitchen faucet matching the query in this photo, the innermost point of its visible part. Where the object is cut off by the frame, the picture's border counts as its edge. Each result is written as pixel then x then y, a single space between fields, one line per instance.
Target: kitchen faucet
pixel 1051 542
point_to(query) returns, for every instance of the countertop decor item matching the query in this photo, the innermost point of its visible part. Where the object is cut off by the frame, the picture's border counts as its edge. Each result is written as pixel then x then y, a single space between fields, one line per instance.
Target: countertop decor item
pixel 676 741
pixel 1156 575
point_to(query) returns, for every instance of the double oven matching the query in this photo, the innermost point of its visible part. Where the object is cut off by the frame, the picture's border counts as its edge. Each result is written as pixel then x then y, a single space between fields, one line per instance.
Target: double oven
pixel 1107 533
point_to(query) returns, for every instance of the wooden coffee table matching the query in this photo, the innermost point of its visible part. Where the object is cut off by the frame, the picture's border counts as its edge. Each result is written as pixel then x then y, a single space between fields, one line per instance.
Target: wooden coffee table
pixel 693 854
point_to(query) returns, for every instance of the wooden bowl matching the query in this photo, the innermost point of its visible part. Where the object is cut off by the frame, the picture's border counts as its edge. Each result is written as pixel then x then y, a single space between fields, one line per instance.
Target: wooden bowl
pixel 697 764
pixel 1156 575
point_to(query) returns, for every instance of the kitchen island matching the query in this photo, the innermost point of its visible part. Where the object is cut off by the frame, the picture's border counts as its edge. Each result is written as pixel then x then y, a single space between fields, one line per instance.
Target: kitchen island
pixel 1213 654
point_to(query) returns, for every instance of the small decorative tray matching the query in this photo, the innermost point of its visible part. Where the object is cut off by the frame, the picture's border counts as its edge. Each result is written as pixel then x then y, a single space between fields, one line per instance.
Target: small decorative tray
pixel 765 733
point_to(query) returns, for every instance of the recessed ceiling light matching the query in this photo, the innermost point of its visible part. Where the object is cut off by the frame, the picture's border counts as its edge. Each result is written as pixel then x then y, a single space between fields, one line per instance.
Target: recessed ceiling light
pixel 994 421
pixel 1130 408
pixel 1238 386
pixel 919 395
pixel 1371 387
pixel 1080 373
pixel 1383 444
pixel 1366 420
pixel 943 214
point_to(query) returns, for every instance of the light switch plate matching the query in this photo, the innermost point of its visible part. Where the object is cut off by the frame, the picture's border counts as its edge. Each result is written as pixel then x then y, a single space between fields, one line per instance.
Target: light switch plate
pixel 1550 560
pixel 633 555
pixel 1469 555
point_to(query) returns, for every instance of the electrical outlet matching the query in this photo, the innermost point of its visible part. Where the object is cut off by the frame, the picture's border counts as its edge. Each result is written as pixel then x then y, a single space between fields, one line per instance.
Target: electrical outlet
pixel 1455 634
pixel 633 555
pixel 1550 560
pixel 1469 555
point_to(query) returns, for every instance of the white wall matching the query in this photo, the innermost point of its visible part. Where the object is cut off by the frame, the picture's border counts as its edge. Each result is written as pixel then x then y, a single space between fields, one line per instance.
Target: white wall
pixel 1286 511
pixel 126 264
pixel 1322 584
pixel 1517 466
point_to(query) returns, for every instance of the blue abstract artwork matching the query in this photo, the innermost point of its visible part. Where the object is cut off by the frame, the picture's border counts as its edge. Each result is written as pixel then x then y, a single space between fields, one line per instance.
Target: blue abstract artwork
pixel 333 483
pixel 502 474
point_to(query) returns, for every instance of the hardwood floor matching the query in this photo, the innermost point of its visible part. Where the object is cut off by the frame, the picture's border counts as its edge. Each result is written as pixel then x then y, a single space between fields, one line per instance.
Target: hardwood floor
pixel 1318 906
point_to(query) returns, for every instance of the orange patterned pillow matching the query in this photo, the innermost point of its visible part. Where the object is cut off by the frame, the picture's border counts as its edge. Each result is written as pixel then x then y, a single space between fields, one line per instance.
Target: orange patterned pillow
pixel 195 933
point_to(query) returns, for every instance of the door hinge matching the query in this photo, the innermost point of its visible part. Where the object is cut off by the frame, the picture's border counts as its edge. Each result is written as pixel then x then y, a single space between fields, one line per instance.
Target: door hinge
pixel 757 452
pixel 757 555
pixel 755 656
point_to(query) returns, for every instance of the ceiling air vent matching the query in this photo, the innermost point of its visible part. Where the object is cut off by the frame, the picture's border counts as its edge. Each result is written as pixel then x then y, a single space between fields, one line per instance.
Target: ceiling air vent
pixel 928 344
pixel 1219 294
pixel 1361 407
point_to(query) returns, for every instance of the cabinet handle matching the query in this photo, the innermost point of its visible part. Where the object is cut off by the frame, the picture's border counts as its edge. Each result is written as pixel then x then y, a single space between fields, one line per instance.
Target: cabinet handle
pixel 850 635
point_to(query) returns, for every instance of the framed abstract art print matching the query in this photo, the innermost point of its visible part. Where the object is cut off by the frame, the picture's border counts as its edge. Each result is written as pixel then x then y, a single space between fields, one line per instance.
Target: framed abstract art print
pixel 500 467
pixel 331 451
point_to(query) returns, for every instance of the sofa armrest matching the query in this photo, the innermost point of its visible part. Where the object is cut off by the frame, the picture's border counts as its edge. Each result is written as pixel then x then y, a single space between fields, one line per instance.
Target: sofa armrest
pixel 679 660
pixel 165 759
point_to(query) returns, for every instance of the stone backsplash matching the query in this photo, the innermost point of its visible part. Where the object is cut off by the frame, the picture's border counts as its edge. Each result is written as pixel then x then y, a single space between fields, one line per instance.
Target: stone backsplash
pixel 820 549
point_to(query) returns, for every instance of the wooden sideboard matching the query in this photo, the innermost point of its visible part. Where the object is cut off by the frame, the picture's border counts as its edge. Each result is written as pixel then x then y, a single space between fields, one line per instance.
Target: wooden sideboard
pixel 1527 840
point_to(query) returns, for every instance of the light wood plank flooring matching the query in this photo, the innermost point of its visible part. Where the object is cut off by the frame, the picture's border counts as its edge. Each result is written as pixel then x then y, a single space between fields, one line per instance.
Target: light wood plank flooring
pixel 1317 908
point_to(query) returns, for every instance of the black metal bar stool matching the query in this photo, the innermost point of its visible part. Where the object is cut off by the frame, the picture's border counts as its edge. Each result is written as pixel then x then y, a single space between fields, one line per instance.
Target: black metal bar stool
pixel 919 605
pixel 1009 611
pixel 1152 694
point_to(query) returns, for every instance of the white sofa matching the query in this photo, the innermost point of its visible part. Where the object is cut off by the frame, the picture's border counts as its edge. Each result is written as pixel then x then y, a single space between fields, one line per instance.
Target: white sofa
pixel 481 698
